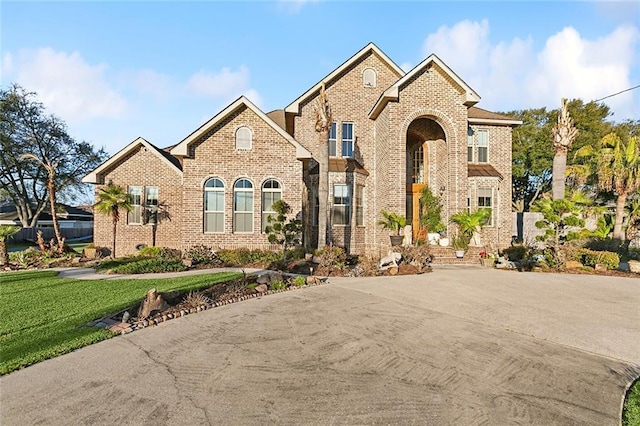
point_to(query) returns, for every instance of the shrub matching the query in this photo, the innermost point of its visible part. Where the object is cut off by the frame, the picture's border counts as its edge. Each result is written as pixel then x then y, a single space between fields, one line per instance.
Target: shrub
pixel 606 258
pixel 634 253
pixel 150 251
pixel 367 266
pixel 149 265
pixel 202 255
pixel 277 285
pixel 244 256
pixel 331 256
pixel 517 252
pixel 196 299
pixel 419 256
pixel 299 281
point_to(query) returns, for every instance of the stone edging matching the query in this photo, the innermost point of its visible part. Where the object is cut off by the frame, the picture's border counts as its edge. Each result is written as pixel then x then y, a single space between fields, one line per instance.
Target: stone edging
pixel 126 328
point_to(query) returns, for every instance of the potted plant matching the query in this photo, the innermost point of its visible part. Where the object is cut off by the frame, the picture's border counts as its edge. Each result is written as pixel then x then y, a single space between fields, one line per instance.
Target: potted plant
pixel 460 245
pixel 394 222
pixel 471 223
pixel 431 217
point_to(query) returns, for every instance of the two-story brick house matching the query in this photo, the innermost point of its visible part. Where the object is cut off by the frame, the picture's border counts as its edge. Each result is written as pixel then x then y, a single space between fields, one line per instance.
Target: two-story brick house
pixel 393 133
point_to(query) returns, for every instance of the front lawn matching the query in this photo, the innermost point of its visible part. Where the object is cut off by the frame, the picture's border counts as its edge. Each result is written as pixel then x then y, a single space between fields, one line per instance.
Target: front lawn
pixel 43 316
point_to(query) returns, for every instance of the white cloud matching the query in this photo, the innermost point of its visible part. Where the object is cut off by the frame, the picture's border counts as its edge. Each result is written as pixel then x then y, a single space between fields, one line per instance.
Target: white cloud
pixel 65 83
pixel 293 6
pixel 512 75
pixel 224 85
pixel 406 66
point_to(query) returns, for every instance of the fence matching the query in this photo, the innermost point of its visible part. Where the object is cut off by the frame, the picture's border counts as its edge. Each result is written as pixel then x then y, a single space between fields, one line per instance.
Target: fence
pixel 524 226
pixel 29 234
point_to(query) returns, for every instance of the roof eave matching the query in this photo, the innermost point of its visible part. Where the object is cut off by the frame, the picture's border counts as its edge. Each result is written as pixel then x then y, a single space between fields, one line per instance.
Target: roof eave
pixel 494 121
pixel 294 107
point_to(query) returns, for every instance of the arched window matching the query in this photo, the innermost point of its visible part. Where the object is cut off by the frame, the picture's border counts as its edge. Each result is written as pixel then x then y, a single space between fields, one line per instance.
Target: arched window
pixel 243 206
pixel 271 192
pixel 244 138
pixel 214 205
pixel 369 78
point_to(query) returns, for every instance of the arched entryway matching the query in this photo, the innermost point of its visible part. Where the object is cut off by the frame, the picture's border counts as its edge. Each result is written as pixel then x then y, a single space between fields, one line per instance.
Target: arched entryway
pixel 427 164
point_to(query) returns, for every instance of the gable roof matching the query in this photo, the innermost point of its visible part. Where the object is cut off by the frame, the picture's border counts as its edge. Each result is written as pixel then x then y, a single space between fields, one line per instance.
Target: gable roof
pixel 182 147
pixel 171 161
pixel 295 105
pixel 482 116
pixel 393 92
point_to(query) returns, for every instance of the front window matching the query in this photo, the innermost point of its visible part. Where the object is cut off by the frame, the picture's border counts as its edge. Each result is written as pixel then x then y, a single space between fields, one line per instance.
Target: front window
pixel 243 206
pixel 332 139
pixel 359 205
pixel 135 215
pixel 347 139
pixel 271 192
pixel 485 201
pixel 151 204
pixel 470 145
pixel 341 204
pixel 214 205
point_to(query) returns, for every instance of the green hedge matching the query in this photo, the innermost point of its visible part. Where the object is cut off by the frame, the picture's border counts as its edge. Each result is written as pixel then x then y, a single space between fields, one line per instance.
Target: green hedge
pixel 592 257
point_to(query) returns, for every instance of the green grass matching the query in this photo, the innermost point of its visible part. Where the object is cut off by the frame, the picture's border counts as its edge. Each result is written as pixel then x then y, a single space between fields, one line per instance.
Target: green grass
pixel 631 410
pixel 43 316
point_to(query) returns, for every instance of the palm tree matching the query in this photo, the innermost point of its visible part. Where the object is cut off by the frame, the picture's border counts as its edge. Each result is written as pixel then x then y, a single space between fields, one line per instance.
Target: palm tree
pixel 6 231
pixel 563 133
pixel 50 167
pixel 111 199
pixel 323 124
pixel 617 168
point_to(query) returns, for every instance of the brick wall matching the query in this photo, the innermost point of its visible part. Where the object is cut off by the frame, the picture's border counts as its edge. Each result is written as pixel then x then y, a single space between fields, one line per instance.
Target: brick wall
pixel 214 155
pixel 143 167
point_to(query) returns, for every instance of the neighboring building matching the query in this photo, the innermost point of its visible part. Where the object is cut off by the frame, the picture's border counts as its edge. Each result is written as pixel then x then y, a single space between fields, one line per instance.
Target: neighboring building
pixel 74 222
pixel 393 133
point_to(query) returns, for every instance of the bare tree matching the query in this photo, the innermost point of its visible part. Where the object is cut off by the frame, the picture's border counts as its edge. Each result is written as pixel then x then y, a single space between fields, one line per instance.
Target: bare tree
pixel 564 133
pixel 323 124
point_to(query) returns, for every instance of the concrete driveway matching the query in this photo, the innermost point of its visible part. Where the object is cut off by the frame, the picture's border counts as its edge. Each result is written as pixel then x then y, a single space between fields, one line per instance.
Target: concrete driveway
pixel 463 345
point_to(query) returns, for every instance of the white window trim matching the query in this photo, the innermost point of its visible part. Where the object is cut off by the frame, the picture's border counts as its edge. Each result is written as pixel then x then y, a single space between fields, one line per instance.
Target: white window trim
pixel 334 140
pixel 349 205
pixel 224 205
pixel 141 205
pixel 477 147
pixel 353 139
pixel 262 191
pixel 250 138
pixel 233 206
pixel 375 78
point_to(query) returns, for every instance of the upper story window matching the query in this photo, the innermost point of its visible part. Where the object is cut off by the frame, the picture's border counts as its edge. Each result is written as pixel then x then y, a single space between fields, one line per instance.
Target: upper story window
pixel 369 78
pixel 243 206
pixel 483 146
pixel 347 139
pixel 470 145
pixel 271 192
pixel 244 138
pixel 214 205
pixel 333 137
pixel 135 215
pixel 477 146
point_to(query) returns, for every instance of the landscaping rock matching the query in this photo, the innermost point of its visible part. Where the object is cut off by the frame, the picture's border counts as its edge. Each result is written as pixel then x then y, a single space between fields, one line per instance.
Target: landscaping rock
pixel 261 288
pixel 264 278
pixel 572 264
pixel 600 267
pixel 393 270
pixel 634 266
pixel 152 303
pixel 313 280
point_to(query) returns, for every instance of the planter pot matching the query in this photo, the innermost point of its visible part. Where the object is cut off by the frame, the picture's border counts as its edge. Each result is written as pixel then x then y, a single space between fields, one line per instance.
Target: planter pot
pixel 459 254
pixel 444 242
pixel 396 240
pixel 433 237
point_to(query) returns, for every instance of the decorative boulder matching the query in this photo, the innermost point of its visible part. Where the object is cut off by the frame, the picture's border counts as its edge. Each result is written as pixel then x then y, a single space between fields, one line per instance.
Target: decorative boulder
pixel 573 264
pixel 634 266
pixel 261 288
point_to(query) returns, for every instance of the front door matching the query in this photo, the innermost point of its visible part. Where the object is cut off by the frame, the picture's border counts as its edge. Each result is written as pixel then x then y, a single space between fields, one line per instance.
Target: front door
pixel 416 182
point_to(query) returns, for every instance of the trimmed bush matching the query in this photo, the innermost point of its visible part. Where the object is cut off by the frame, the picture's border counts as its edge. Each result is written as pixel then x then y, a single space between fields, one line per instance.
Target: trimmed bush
pixel 244 256
pixel 331 256
pixel 149 265
pixel 606 258
pixel 516 253
pixel 202 255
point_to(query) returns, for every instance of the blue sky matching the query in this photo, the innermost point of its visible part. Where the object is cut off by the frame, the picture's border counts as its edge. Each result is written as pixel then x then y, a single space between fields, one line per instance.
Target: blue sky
pixel 114 71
